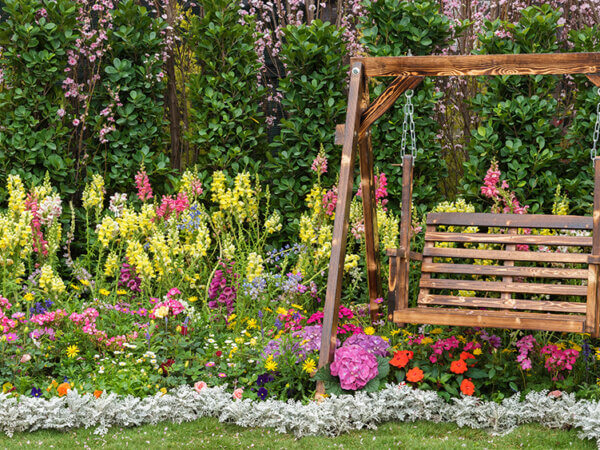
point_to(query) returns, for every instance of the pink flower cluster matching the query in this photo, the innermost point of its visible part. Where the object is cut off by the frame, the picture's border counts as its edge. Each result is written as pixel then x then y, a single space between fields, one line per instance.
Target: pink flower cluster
pixel 48 317
pixel 143 186
pixel 7 324
pixel 87 316
pixel 380 189
pixel 220 293
pixel 504 198
pixel 525 345
pixel 174 307
pixel 355 366
pixel 443 344
pixel 559 360
pixel 170 205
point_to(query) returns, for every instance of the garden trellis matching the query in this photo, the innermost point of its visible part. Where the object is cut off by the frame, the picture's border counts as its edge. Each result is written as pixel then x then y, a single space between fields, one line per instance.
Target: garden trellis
pixel 504 230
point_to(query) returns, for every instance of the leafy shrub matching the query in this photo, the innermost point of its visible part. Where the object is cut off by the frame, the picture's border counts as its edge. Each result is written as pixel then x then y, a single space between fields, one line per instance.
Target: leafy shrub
pixel 128 103
pixel 518 115
pixel 314 102
pixel 34 139
pixel 393 28
pixel 227 122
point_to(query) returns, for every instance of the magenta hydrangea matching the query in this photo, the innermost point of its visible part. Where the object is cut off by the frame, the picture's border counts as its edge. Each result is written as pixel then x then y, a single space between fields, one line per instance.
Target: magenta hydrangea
pixel 355 366
pixel 375 345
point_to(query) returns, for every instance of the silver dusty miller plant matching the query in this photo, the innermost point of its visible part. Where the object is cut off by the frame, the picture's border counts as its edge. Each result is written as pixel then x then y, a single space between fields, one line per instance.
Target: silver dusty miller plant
pixel 333 416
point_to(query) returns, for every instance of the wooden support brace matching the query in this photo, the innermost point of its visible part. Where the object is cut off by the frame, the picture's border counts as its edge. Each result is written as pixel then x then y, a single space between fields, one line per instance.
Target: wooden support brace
pixel 594 78
pixel 342 213
pixel 376 109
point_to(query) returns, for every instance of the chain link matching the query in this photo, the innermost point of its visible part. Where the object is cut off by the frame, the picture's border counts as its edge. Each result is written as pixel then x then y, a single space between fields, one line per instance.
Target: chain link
pixel 594 150
pixel 409 126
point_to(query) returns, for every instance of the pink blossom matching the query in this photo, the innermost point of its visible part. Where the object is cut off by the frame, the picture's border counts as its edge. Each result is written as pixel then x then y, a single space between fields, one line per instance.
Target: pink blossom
pixel 355 367
pixel 143 186
pixel 238 393
pixel 199 385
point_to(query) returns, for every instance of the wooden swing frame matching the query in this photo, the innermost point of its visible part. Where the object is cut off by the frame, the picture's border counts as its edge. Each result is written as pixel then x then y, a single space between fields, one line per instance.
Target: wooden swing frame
pixel 355 135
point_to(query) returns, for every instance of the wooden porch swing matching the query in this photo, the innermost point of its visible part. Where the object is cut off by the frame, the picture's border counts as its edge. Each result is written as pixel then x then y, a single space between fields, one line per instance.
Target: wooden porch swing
pixel 441 265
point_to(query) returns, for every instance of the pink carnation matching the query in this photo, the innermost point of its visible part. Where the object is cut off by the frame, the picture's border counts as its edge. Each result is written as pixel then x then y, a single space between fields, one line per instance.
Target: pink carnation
pixel 355 367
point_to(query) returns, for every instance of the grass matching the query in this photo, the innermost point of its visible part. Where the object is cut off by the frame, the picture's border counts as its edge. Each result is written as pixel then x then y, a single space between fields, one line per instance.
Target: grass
pixel 210 433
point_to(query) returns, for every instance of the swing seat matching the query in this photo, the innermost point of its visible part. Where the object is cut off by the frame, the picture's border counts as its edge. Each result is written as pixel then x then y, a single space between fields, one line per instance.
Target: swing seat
pixel 503 275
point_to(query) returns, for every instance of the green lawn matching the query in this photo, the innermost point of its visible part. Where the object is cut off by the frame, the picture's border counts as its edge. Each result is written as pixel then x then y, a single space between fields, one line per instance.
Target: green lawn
pixel 209 433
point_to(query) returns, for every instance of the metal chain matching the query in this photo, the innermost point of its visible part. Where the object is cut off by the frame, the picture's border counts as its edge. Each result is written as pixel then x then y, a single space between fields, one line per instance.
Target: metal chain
pixel 409 125
pixel 594 151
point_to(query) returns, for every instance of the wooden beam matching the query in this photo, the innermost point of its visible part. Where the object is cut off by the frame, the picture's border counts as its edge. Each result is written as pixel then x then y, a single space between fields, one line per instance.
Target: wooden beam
pixel 340 224
pixel 594 78
pixel 475 65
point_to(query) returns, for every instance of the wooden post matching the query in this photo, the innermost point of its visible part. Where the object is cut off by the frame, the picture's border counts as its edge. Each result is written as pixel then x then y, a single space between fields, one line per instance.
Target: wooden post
pixel 365 151
pixel 403 261
pixel 592 312
pixel 340 224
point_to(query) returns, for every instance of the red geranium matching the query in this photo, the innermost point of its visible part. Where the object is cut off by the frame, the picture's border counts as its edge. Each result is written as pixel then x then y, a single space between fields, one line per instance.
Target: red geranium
pixel 459 366
pixel 467 387
pixel 414 375
pixel 401 358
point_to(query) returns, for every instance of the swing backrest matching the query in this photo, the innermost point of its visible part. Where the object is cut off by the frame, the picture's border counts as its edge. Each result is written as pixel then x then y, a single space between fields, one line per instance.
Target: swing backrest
pixel 510 262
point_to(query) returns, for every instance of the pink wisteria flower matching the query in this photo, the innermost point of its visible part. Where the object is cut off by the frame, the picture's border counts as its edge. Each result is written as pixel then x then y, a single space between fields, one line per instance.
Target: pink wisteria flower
pixel 355 366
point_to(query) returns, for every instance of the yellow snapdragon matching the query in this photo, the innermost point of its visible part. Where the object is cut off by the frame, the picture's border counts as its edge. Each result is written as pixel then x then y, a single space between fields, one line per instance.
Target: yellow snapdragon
pixel 50 282
pixel 93 194
pixel 254 267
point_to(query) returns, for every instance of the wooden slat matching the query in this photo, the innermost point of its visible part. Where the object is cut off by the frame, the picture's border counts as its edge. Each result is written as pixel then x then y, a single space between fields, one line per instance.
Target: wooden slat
pixel 480 302
pixel 492 319
pixel 340 224
pixel 577 258
pixel 426 259
pixel 516 271
pixel 594 78
pixel 511 220
pixel 502 286
pixel 489 238
pixel 475 65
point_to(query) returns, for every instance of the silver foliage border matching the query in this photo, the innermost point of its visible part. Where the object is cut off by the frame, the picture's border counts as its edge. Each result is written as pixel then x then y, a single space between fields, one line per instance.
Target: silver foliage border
pixel 333 416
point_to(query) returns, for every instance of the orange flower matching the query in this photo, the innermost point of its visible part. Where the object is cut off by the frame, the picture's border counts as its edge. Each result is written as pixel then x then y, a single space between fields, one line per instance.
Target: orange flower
pixel 467 387
pixel 414 375
pixel 466 355
pixel 401 358
pixel 63 388
pixel 458 367
pixel 97 393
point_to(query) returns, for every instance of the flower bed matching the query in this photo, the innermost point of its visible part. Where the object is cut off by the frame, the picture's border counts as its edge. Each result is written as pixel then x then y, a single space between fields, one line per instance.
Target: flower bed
pixel 137 295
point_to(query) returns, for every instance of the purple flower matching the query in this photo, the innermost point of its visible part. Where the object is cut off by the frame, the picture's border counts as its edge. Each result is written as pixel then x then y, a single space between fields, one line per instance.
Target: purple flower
pixel 375 345
pixel 35 392
pixel 262 393
pixel 355 366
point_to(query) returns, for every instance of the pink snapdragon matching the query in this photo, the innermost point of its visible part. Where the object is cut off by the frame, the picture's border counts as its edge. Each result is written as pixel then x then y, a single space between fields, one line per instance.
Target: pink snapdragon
pixel 143 186
pixel 319 164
